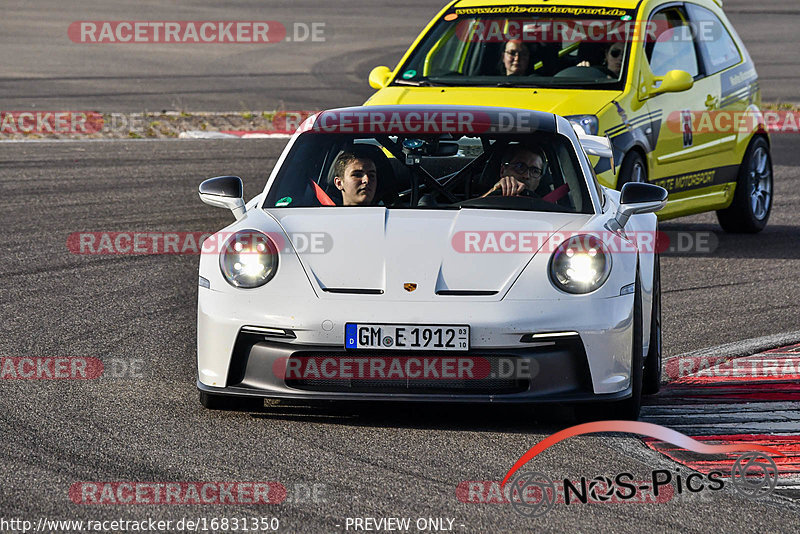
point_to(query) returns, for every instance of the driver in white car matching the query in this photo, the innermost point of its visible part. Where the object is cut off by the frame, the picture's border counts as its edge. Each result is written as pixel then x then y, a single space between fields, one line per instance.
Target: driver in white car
pixel 521 169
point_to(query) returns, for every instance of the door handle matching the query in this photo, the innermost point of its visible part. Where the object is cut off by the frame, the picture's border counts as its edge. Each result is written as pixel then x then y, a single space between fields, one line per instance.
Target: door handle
pixel 711 102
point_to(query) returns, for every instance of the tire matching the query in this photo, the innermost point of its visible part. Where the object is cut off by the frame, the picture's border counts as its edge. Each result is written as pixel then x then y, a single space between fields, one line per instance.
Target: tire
pixel 652 363
pixel 752 200
pixel 211 401
pixel 629 408
pixel 633 169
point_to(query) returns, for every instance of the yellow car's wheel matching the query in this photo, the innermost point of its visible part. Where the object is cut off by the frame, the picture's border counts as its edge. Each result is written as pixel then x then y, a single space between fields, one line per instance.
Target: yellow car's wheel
pixel 633 169
pixel 752 201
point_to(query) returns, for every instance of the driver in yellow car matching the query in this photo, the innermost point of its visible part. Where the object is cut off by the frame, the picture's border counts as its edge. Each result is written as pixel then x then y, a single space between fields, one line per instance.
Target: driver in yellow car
pixel 516 58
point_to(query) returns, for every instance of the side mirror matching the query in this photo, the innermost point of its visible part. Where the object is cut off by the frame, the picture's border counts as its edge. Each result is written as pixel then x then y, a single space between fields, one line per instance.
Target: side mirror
pixel 675 81
pixel 637 197
pixel 224 192
pixel 379 77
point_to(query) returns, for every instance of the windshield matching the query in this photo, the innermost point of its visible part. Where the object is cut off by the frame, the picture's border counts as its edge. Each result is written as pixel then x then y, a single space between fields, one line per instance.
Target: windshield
pixel 524 46
pixel 540 172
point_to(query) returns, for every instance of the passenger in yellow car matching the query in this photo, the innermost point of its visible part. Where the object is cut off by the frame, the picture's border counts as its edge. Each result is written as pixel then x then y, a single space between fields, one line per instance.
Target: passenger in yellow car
pixel 612 59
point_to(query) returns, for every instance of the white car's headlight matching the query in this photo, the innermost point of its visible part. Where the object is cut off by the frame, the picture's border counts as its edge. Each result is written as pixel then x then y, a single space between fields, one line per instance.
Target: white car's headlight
pixel 580 264
pixel 248 259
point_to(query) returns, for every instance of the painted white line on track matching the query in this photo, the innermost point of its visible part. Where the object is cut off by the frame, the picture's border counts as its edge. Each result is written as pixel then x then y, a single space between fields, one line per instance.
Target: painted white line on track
pixel 265 136
pixel 722 409
pixel 200 134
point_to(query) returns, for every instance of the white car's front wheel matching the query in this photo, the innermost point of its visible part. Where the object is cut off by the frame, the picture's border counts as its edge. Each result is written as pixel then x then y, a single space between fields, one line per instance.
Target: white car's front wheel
pixel 652 364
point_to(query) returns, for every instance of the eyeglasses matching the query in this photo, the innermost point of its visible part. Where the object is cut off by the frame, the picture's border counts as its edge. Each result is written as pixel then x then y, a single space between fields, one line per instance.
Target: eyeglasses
pixel 516 53
pixel 521 168
pixel 615 52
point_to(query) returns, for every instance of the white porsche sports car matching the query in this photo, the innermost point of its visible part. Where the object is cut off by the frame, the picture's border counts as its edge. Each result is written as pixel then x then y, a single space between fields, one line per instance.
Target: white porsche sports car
pixel 433 253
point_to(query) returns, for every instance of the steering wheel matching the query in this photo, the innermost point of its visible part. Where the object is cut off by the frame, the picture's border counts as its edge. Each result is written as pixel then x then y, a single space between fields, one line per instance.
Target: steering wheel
pixel 605 70
pixel 597 72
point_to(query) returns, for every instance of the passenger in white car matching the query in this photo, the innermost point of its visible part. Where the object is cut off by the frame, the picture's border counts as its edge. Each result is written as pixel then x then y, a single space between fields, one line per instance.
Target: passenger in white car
pixel 357 179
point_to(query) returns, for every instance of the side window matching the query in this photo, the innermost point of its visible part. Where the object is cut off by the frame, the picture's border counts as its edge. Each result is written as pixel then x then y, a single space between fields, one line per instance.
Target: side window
pixel 716 44
pixel 670 45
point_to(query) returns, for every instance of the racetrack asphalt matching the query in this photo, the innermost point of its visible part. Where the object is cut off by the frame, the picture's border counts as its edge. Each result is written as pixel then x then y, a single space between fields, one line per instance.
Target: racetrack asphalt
pixel 376 461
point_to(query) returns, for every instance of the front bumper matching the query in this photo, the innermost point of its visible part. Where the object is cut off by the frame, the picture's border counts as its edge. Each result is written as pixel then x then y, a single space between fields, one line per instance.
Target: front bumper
pixel 595 365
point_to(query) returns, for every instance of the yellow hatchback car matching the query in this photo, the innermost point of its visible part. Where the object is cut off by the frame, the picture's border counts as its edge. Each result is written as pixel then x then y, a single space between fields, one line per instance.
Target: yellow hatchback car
pixel 670 83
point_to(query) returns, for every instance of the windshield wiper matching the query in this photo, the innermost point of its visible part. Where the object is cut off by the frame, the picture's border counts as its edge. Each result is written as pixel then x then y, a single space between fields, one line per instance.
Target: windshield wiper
pixel 414 83
pixel 521 85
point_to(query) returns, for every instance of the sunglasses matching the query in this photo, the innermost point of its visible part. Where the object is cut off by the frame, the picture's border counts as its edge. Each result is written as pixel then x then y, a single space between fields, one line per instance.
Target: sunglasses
pixel 615 52
pixel 521 168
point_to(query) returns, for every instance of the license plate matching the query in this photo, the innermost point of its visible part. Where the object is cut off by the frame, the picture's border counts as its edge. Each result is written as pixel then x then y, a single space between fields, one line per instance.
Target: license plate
pixel 406 337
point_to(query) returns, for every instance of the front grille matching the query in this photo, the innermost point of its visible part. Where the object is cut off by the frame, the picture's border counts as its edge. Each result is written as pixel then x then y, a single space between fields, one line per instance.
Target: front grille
pixel 547 369
pixel 490 374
